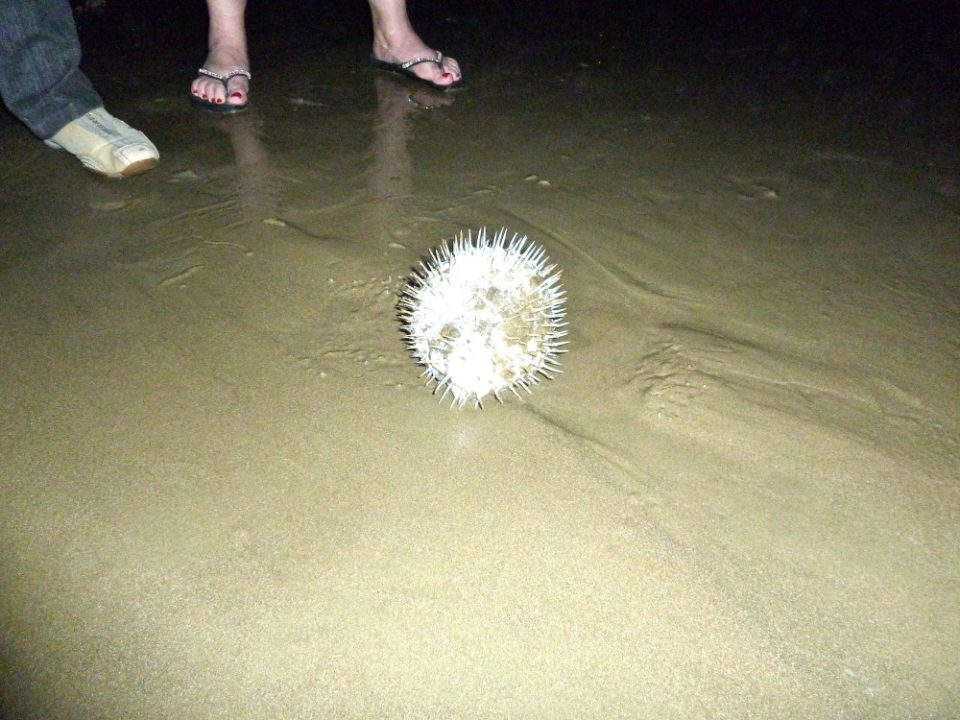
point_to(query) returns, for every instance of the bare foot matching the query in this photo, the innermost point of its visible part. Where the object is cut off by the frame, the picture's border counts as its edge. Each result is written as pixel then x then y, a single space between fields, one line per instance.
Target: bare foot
pixel 411 47
pixel 223 61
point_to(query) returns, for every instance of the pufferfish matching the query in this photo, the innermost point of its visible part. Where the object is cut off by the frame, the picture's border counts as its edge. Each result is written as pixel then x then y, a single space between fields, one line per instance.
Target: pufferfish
pixel 484 316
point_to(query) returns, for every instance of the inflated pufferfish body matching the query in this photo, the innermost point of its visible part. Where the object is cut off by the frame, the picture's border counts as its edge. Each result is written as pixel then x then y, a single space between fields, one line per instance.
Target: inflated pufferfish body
pixel 485 316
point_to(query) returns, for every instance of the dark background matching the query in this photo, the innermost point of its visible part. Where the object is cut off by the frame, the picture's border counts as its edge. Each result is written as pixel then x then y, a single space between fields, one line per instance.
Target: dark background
pixel 888 63
pixel 903 41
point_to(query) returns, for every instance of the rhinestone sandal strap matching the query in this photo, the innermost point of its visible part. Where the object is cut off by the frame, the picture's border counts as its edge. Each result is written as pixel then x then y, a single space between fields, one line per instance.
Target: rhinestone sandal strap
pixel 225 78
pixel 437 58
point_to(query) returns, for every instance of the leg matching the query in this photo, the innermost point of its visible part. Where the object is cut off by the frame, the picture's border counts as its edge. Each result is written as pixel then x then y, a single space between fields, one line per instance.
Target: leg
pixel 41 83
pixel 227 51
pixel 40 78
pixel 394 41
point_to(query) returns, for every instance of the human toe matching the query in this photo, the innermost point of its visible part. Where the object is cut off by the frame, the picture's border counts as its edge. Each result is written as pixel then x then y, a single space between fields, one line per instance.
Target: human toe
pixel 222 88
pixel 447 73
pixel 442 74
pixel 236 90
pixel 209 90
pixel 452 68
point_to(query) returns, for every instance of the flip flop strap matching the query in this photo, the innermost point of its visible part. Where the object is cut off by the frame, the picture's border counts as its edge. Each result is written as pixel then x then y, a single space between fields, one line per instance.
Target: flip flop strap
pixel 225 78
pixel 437 58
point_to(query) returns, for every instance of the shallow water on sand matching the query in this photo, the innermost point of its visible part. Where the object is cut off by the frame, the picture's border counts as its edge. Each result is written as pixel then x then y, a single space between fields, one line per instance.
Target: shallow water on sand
pixel 226 493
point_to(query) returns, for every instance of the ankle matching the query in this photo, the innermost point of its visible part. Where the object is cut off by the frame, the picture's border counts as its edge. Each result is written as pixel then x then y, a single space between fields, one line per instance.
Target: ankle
pixel 395 37
pixel 228 54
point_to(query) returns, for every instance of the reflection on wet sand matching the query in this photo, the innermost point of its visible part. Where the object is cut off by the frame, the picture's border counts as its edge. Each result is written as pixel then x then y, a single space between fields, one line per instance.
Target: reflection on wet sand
pixel 258 185
pixel 390 168
pixel 390 177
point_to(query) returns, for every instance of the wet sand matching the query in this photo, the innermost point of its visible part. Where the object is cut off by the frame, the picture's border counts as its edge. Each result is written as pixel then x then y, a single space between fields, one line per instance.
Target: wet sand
pixel 225 492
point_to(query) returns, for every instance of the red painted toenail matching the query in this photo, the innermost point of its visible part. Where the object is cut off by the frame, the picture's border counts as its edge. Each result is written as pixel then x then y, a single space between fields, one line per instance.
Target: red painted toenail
pixel 236 95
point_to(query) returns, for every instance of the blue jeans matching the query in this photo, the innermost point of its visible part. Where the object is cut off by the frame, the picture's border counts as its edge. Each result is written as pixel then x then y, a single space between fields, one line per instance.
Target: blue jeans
pixel 40 78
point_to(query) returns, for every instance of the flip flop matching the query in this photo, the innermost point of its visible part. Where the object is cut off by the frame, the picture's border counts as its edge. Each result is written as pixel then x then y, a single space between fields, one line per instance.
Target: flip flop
pixel 223 107
pixel 404 70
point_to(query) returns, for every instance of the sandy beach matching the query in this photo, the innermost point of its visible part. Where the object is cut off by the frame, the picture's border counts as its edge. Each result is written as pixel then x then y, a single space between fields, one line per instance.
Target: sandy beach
pixel 225 491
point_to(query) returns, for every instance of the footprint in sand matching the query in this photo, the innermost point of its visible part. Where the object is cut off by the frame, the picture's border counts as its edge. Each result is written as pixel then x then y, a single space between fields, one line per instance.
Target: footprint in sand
pixel 666 380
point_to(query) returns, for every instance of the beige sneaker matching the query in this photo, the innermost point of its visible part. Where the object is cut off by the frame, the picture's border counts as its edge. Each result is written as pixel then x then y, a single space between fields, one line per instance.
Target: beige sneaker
pixel 106 145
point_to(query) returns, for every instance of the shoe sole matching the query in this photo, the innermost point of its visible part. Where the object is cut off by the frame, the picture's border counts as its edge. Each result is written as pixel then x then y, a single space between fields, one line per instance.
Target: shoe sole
pixel 217 108
pixel 135 168
pixel 396 69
